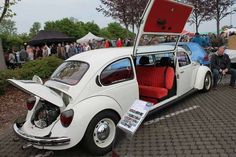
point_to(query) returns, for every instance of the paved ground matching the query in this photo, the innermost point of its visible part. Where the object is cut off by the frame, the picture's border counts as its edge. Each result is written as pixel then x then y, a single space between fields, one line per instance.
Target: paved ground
pixel 200 125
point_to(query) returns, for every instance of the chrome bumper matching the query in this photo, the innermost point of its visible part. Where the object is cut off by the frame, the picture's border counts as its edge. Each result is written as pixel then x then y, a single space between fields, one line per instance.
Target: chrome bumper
pixel 41 141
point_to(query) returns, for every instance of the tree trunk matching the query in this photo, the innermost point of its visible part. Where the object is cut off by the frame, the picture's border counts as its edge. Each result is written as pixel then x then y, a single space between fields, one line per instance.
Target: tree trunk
pixel 133 27
pixel 197 27
pixel 127 30
pixel 2 59
pixel 218 26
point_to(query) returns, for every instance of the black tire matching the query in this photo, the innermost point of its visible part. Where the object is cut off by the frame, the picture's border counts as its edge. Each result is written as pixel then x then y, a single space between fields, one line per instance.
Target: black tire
pixel 207 82
pixel 89 141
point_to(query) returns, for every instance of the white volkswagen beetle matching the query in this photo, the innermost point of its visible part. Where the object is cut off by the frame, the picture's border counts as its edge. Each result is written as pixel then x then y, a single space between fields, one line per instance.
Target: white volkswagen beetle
pixel 88 94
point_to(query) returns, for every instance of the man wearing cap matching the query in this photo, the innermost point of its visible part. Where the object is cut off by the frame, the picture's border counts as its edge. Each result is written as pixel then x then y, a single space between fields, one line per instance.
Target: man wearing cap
pixel 220 64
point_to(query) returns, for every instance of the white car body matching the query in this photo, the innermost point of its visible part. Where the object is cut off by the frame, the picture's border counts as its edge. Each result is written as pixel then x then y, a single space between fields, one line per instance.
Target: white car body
pixel 232 55
pixel 90 97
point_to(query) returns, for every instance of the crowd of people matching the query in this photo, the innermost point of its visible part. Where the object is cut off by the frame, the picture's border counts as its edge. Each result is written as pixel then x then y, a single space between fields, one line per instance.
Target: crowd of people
pixel 16 57
pixel 208 40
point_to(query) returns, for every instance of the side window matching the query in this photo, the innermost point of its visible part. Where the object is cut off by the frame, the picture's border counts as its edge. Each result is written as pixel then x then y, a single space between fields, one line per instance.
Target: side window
pixel 116 72
pixel 183 59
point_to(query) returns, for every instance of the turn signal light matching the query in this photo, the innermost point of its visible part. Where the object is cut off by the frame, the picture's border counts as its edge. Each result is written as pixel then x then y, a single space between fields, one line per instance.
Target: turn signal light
pixel 30 103
pixel 66 117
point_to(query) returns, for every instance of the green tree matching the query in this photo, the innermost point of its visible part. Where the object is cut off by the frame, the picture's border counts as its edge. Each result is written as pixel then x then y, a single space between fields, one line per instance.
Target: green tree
pixel 5 9
pixel 35 29
pixel 11 41
pixel 67 26
pixel 115 31
pixel 91 27
pixel 8 27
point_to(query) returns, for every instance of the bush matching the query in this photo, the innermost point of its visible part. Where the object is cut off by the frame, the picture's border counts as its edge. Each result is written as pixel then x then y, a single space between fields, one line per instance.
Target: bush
pixel 43 68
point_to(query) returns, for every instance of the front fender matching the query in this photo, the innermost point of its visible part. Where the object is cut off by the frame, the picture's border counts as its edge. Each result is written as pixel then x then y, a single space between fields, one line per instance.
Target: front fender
pixel 84 111
pixel 200 77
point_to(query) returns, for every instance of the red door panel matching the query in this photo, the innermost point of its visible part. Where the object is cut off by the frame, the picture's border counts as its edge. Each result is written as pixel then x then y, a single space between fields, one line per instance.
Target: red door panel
pixel 167 16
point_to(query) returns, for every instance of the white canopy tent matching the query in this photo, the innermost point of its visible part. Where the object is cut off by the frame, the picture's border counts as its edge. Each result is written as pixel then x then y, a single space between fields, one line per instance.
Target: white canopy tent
pixel 89 36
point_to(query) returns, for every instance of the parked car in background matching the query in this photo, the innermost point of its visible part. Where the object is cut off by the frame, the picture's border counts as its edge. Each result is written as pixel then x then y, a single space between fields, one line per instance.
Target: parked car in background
pixel 232 56
pixel 88 94
pixel 196 52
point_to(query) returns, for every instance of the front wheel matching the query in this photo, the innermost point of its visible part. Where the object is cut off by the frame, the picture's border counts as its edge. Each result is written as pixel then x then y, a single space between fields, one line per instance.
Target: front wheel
pixel 100 133
pixel 207 82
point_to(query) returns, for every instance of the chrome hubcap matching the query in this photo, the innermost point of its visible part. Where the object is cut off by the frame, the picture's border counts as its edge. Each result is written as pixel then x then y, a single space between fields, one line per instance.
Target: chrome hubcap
pixel 103 131
pixel 208 82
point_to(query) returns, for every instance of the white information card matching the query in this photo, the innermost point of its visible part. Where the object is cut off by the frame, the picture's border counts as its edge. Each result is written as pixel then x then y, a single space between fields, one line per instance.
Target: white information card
pixel 134 116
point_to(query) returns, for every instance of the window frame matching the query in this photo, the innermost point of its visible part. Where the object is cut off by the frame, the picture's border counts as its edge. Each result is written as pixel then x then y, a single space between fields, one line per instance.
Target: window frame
pixel 123 80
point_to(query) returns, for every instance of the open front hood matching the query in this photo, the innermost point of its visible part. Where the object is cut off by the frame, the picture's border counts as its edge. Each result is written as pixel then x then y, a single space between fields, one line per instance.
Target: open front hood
pixel 163 17
pixel 39 90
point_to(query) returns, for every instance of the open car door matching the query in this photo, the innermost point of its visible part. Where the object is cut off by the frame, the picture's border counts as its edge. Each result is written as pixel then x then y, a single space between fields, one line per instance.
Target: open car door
pixel 163 20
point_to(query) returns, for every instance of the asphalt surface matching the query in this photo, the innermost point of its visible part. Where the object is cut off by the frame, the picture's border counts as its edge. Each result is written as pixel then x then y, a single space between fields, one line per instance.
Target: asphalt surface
pixel 203 124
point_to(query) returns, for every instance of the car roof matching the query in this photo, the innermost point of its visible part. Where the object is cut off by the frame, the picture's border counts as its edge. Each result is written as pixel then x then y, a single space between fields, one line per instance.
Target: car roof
pixel 99 57
pixel 102 56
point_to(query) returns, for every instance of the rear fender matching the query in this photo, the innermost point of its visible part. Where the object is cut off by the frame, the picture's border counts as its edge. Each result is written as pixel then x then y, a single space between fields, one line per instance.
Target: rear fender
pixel 200 77
pixel 83 113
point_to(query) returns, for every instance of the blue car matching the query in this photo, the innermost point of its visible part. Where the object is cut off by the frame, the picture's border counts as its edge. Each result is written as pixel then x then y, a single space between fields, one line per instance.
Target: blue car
pixel 196 52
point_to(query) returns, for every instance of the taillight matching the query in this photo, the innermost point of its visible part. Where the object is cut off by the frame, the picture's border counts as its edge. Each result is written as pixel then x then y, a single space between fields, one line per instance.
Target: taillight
pixel 30 103
pixel 66 117
pixel 206 57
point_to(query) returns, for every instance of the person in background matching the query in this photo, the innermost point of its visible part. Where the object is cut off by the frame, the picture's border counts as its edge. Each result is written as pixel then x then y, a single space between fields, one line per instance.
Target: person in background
pixel 127 42
pixel 39 52
pixel 12 60
pixel 198 39
pixel 94 44
pixel 45 51
pixel 53 49
pixel 48 49
pixel 72 50
pixel 67 47
pixel 6 56
pixel 90 44
pixel 107 44
pixel 86 47
pixel 60 51
pixel 23 55
pixel 119 43
pixel 220 63
pixel 78 48
pixel 29 50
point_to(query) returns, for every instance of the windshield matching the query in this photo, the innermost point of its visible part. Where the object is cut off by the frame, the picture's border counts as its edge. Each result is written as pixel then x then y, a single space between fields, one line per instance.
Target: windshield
pixel 70 72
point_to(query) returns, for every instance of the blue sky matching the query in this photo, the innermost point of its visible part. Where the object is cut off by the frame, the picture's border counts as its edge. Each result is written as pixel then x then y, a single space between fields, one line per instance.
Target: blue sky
pixel 30 11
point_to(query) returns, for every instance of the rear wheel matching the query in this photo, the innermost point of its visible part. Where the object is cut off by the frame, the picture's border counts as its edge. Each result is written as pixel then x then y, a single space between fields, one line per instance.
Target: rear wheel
pixel 207 82
pixel 100 133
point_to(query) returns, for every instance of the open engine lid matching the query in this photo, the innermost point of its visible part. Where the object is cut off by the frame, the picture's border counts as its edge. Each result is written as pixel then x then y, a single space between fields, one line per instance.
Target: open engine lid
pixel 39 90
pixel 162 17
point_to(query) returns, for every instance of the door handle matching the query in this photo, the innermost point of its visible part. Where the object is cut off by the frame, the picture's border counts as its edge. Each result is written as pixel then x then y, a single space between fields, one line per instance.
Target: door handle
pixel 182 72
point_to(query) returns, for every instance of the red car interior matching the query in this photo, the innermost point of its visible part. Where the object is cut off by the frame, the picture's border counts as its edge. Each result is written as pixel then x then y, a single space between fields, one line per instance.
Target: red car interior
pixel 154 82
